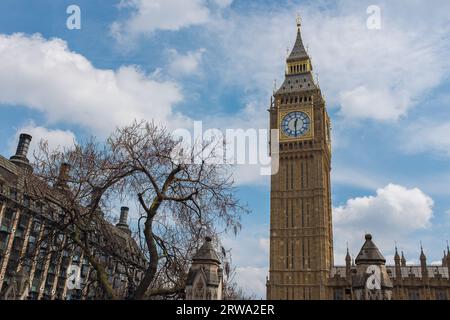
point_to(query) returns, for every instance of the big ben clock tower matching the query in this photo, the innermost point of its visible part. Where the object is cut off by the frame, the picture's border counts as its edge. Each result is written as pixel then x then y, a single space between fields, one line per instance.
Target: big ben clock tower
pixel 301 236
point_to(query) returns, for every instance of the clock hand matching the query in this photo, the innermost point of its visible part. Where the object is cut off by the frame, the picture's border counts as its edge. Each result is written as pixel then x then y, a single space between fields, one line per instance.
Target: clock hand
pixel 295 125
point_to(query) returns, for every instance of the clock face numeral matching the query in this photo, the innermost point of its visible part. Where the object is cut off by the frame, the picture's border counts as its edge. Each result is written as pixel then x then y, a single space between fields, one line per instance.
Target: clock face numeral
pixel 296 124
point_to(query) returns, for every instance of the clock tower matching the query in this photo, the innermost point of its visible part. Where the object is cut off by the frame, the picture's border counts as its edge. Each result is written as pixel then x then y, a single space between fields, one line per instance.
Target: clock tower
pixel 301 236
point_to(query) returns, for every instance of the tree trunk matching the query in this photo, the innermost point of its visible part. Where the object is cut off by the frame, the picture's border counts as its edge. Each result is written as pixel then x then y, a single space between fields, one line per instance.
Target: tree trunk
pixel 102 277
pixel 153 266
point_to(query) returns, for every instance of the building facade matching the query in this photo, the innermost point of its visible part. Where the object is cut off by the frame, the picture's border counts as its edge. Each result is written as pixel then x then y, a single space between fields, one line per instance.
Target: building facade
pixel 369 278
pixel 31 267
pixel 301 233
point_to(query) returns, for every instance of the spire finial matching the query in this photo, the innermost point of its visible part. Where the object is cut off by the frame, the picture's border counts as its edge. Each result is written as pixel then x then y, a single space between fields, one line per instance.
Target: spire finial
pixel 299 21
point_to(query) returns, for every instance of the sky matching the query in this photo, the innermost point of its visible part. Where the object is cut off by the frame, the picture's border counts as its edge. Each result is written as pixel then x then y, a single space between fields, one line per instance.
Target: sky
pixel 386 84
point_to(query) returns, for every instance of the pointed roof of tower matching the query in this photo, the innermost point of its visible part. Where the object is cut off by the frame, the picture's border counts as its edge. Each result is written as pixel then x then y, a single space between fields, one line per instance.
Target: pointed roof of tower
pixel 206 252
pixel 369 253
pixel 348 257
pixel 299 51
pixel 422 254
pixel 403 259
pixel 396 256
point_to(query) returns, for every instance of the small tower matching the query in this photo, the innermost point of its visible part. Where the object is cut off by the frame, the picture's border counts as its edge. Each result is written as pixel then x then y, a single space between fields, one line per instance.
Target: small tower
pixel 371 281
pixel 448 258
pixel 423 264
pixel 397 258
pixel 348 264
pixel 403 261
pixel 205 277
pixel 398 270
pixel 444 259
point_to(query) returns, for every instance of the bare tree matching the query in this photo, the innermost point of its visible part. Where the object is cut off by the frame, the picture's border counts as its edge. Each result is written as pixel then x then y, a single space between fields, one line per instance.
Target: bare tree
pixel 183 194
pixel 71 203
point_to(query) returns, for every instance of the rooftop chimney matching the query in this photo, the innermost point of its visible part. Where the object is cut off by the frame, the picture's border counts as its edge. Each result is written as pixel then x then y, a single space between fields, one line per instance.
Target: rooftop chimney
pixel 63 175
pixel 20 158
pixel 123 222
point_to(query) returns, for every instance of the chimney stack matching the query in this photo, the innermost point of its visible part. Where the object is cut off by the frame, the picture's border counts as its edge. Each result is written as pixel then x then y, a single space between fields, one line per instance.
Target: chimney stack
pixel 20 158
pixel 123 222
pixel 63 175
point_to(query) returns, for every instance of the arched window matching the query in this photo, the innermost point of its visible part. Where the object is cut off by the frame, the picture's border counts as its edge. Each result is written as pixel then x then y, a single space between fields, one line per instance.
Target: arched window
pixel 199 290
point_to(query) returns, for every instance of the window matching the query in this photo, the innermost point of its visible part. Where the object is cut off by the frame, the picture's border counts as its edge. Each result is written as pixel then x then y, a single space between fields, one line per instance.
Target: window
pixel 337 294
pixel 414 295
pixel 7 220
pixel 441 295
pixel 13 194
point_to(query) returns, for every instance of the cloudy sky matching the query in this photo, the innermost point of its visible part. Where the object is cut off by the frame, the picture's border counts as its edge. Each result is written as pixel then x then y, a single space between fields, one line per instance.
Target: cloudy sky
pixel 179 61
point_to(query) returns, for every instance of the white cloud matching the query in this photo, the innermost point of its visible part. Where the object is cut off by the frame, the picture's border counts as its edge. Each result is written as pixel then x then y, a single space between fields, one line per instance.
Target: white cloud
pixel 368 74
pixel 185 64
pixel 151 15
pixel 356 103
pixel 393 214
pixel 252 281
pixel 46 76
pixel 427 136
pixel 56 139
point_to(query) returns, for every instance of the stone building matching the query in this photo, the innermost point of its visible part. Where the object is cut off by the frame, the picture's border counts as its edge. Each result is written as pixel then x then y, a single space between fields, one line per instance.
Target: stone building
pixel 29 269
pixel 205 277
pixel 369 278
pixel 301 231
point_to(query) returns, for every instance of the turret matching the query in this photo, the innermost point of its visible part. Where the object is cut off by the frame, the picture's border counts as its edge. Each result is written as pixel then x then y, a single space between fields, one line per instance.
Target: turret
pixel 423 263
pixel 448 258
pixel 403 260
pixel 398 270
pixel 348 263
pixel 397 258
pixel 372 281
pixel 205 277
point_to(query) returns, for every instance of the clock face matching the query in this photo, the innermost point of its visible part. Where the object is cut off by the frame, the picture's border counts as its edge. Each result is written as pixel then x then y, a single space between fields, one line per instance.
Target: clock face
pixel 296 124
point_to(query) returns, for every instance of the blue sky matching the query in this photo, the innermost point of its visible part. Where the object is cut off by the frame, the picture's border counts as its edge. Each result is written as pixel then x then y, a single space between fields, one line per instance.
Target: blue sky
pixel 177 61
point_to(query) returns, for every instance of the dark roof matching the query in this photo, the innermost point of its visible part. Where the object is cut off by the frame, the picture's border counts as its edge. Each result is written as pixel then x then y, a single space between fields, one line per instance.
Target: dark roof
pixel 297 83
pixel 298 52
pixel 369 253
pixel 206 252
